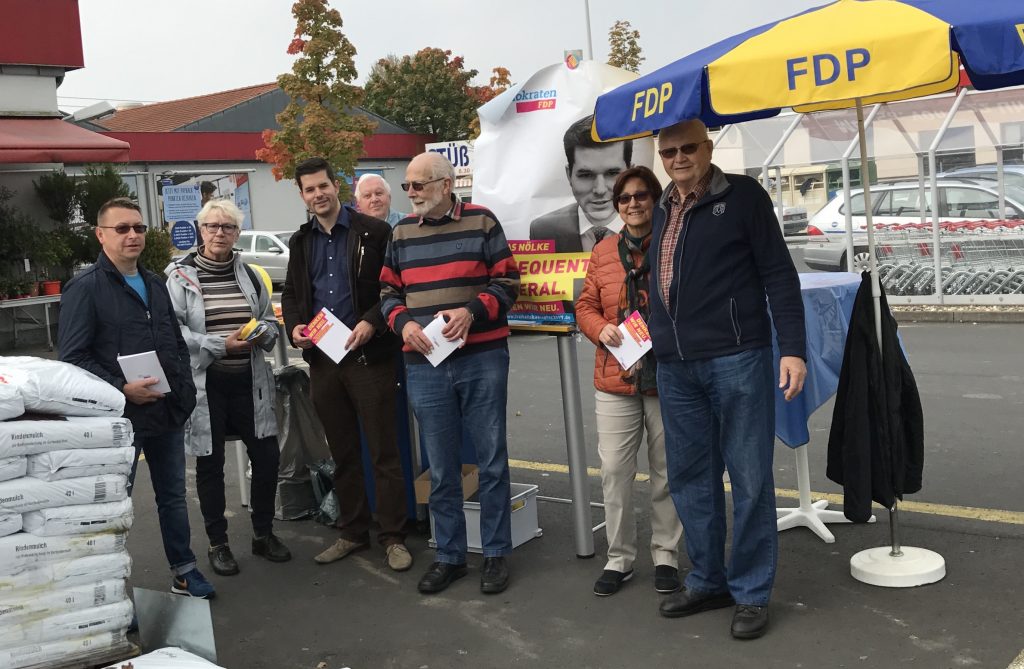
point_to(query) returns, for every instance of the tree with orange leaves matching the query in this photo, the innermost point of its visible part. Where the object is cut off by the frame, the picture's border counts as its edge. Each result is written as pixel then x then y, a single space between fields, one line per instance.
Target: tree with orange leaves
pixel 318 119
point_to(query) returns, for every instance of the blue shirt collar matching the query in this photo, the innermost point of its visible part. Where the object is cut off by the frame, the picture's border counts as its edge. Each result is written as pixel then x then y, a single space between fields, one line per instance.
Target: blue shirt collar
pixel 343 220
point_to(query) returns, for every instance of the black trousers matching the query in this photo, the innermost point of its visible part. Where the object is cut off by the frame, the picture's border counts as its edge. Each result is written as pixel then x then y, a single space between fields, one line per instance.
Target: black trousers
pixel 231 413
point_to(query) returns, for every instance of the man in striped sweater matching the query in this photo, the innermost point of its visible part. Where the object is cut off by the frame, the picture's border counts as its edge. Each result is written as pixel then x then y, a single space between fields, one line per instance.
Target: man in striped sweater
pixel 451 259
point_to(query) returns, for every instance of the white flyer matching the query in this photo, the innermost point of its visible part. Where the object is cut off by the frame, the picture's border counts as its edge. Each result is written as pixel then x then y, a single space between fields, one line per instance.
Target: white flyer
pixel 442 347
pixel 138 366
pixel 636 341
pixel 329 334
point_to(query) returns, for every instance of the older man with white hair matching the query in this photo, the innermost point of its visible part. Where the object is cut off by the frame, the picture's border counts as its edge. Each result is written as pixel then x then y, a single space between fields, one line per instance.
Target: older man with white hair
pixel 373 195
pixel 452 259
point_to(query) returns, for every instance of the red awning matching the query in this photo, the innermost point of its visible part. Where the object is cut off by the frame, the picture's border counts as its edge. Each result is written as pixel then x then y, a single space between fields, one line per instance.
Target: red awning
pixel 51 140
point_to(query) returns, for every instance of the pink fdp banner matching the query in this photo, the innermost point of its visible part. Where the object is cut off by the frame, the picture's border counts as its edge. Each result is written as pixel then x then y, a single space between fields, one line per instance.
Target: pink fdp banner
pixel 548 282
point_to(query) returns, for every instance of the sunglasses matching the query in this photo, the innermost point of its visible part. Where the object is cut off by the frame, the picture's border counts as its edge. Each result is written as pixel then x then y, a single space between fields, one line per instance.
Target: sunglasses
pixel 123 228
pixel 419 185
pixel 226 228
pixel 687 149
pixel 639 196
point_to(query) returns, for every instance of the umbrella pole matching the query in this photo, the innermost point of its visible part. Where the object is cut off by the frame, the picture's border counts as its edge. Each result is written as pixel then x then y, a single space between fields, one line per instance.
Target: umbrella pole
pixel 898 566
pixel 876 289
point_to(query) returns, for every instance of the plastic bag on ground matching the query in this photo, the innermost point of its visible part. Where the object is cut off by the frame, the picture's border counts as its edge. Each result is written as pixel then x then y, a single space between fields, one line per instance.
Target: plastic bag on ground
pixel 27 437
pixel 60 388
pixel 169 658
pixel 302 441
pixel 80 519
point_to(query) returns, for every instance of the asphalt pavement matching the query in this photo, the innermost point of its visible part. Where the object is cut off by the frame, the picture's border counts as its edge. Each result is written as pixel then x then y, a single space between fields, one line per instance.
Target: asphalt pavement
pixel 356 613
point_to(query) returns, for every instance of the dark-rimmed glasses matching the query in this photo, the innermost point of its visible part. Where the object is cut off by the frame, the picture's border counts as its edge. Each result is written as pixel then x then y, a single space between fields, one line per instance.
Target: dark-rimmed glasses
pixel 419 185
pixel 639 196
pixel 226 228
pixel 123 228
pixel 687 149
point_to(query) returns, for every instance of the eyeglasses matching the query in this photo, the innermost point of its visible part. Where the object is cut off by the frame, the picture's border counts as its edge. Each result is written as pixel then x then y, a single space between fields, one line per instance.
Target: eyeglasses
pixel 226 228
pixel 687 149
pixel 419 185
pixel 639 196
pixel 123 228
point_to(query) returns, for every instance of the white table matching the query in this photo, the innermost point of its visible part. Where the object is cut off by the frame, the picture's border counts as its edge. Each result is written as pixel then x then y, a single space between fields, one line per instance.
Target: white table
pixel 23 304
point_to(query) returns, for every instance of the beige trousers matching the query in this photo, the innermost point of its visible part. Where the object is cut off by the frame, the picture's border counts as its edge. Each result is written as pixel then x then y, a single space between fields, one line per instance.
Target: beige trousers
pixel 621 423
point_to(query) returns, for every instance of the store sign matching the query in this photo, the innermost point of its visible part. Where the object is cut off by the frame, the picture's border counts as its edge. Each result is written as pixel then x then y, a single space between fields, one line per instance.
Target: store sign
pixel 459 153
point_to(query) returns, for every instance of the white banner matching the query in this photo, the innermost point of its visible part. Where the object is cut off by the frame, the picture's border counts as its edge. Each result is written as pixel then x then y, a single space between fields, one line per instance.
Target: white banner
pixel 520 162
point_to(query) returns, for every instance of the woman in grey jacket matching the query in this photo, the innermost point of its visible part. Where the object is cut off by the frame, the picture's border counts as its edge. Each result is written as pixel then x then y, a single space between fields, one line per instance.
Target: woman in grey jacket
pixel 214 296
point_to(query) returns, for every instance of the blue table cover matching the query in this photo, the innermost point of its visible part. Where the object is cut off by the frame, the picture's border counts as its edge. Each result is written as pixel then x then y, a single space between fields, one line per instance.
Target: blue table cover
pixel 828 302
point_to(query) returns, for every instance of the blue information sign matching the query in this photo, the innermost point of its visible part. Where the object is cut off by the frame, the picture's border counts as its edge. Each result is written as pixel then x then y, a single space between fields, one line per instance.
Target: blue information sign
pixel 183 235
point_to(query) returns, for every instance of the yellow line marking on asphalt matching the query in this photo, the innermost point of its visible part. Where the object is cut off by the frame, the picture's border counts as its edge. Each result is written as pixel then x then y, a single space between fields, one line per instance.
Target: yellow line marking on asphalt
pixel 966 512
pixel 1018 663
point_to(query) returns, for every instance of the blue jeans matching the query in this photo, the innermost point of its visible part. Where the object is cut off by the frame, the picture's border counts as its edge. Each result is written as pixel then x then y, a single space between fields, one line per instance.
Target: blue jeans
pixel 165 455
pixel 466 392
pixel 719 413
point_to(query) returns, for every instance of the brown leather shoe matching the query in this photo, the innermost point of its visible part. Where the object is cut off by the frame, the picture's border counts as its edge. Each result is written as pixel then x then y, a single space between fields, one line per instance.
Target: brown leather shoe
pixel 340 549
pixel 398 557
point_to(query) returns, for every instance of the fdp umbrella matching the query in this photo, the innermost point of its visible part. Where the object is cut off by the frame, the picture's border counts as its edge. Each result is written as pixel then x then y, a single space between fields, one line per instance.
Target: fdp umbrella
pixel 844 54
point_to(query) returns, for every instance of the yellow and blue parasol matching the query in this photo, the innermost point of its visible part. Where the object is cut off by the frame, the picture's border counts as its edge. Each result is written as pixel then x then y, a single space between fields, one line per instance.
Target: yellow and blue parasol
pixel 826 58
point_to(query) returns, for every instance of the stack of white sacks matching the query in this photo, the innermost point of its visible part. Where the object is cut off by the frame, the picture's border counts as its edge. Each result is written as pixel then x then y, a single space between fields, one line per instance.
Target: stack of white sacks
pixel 65 456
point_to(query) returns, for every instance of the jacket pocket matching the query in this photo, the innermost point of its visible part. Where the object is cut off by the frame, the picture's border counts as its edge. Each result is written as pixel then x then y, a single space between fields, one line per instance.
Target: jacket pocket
pixel 734 316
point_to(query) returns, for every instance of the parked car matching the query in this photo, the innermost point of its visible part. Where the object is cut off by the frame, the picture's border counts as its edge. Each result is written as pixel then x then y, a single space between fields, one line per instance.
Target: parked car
pixel 894 204
pixel 267 249
pixel 794 218
pixel 1013 175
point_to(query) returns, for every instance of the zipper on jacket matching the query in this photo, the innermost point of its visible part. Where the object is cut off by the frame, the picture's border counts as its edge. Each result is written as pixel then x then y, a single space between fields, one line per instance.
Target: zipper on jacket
pixel 734 314
pixel 675 276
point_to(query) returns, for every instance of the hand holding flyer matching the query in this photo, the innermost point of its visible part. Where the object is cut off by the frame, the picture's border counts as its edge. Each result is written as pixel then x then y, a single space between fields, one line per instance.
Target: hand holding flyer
pixel 442 348
pixel 328 334
pixel 636 341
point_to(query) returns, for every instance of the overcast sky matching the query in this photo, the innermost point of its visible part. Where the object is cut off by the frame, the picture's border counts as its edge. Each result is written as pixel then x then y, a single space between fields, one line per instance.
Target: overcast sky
pixel 147 51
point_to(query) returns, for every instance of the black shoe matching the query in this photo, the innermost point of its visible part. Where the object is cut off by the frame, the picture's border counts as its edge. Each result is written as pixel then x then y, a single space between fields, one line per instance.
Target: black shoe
pixel 440 576
pixel 749 622
pixel 271 548
pixel 610 582
pixel 666 579
pixel 687 603
pixel 222 561
pixel 494 578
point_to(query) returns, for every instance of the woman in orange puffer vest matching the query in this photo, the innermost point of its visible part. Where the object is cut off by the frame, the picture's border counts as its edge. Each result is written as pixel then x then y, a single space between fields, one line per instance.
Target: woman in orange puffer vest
pixel 617 284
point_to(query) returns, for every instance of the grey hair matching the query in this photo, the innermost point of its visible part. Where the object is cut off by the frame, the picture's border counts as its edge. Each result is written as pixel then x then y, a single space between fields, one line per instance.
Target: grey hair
pixel 359 184
pixel 440 167
pixel 226 207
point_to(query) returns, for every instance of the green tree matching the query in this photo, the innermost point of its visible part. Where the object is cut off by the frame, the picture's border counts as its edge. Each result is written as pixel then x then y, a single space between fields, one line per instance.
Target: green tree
pixel 317 120
pixel 501 80
pixel 157 254
pixel 429 93
pixel 624 46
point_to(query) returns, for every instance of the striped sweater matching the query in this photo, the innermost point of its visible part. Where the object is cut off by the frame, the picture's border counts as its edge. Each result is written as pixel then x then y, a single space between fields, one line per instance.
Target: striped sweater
pixel 226 306
pixel 459 260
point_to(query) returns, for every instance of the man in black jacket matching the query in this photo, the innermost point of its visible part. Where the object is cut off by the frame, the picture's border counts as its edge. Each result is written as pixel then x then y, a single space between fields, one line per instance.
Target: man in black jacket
pixel 716 253
pixel 116 307
pixel 334 263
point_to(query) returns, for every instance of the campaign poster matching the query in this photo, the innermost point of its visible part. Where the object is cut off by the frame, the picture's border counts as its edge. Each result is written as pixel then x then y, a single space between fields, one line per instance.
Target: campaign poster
pixel 538 168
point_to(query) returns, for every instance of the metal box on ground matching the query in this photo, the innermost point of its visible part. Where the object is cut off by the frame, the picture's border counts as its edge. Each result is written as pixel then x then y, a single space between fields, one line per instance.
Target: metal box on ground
pixel 524 518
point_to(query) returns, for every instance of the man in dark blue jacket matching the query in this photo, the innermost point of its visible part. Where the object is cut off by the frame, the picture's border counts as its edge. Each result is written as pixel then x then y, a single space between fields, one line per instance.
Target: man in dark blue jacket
pixel 116 307
pixel 717 252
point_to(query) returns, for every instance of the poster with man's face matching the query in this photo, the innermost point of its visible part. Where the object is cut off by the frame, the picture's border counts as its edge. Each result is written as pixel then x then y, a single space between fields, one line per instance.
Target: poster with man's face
pixel 549 182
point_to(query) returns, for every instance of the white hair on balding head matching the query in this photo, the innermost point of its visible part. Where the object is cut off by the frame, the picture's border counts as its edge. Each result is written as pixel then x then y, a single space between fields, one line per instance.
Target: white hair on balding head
pixel 440 167
pixel 366 177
